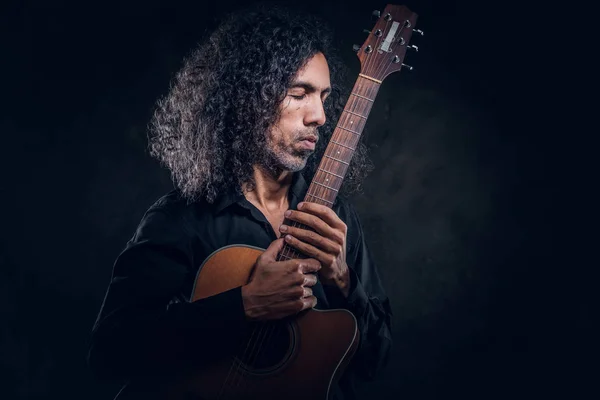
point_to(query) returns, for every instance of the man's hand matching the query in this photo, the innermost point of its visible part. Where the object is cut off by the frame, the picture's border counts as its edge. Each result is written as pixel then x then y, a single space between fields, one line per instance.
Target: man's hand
pixel 327 244
pixel 278 289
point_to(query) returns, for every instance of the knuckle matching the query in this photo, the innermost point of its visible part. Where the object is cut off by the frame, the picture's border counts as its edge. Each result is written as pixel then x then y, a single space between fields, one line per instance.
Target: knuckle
pixel 301 279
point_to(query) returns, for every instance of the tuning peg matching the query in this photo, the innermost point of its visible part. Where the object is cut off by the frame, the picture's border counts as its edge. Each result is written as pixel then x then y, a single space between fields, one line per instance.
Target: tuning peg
pixel 356 47
pixel 420 32
pixel 376 13
pixel 413 47
pixel 407 66
pixel 368 32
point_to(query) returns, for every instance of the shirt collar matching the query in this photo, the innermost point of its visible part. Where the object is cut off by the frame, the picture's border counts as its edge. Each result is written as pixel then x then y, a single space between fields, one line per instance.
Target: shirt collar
pixel 298 190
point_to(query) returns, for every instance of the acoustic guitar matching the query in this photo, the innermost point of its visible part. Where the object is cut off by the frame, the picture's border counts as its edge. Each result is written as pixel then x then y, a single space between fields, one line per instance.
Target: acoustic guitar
pixel 300 357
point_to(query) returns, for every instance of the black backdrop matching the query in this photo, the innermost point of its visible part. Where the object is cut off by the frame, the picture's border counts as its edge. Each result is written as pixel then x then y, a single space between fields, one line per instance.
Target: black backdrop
pixel 461 212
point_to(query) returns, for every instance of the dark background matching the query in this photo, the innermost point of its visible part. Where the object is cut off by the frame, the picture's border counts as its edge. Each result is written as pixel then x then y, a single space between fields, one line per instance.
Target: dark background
pixel 465 210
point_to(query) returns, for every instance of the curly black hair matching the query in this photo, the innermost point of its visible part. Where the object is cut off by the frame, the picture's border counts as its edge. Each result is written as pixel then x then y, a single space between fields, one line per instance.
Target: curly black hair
pixel 210 129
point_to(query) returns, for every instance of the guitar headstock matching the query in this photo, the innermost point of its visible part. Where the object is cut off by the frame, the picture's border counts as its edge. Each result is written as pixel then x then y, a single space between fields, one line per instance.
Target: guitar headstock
pixel 384 50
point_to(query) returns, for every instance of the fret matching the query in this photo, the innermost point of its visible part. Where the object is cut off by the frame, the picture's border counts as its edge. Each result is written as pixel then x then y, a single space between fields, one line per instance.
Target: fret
pixel 328 187
pixel 353 113
pixel 281 255
pixel 340 144
pixel 362 97
pixel 333 158
pixel 357 112
pixel 320 198
pixel 331 173
pixel 346 129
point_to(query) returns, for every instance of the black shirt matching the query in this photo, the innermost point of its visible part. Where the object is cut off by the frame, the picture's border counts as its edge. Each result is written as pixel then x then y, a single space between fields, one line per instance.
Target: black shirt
pixel 147 327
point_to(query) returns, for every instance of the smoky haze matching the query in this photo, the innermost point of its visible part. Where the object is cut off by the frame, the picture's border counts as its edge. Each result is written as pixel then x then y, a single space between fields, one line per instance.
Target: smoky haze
pixel 456 211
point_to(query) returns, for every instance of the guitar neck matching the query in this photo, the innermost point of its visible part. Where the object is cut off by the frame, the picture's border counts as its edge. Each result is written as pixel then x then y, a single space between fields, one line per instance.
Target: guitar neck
pixel 332 169
pixel 330 174
pixel 380 55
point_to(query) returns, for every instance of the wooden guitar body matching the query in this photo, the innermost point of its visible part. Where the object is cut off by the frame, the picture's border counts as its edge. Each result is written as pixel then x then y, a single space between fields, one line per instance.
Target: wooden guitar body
pixel 302 356
pixel 312 351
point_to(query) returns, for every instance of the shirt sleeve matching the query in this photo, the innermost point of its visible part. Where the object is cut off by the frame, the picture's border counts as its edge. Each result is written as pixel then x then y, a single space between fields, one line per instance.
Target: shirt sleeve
pixel 142 330
pixel 368 302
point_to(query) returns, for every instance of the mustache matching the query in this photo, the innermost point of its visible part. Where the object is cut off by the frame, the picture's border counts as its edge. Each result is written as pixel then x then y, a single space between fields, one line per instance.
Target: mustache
pixel 307 133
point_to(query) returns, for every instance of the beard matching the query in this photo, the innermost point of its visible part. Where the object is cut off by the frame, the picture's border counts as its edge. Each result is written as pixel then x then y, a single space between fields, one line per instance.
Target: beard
pixel 279 156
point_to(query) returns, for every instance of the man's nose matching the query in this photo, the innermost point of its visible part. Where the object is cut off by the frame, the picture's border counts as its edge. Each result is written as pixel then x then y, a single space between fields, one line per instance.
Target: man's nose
pixel 316 114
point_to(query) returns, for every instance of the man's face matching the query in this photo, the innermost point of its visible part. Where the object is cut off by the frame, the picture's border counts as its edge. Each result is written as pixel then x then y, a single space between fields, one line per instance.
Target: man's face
pixel 293 137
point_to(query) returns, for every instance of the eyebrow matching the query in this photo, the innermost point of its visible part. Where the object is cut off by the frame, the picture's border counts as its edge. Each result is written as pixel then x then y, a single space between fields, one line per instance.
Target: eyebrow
pixel 309 87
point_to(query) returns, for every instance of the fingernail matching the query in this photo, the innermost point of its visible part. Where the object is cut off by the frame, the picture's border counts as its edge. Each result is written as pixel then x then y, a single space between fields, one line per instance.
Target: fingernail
pixel 287 213
pixel 300 205
pixel 283 228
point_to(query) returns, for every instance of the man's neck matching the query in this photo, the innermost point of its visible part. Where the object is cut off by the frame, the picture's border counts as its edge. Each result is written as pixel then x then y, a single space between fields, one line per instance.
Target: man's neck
pixel 271 190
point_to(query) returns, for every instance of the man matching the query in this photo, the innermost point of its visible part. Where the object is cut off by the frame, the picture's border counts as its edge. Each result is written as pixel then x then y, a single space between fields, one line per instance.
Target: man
pixel 241 130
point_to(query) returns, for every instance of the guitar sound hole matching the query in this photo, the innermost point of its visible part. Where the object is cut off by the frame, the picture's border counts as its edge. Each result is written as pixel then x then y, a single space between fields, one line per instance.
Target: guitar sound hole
pixel 267 347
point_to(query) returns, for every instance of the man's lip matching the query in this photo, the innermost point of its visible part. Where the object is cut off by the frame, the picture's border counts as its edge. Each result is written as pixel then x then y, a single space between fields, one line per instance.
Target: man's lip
pixel 310 139
pixel 308 144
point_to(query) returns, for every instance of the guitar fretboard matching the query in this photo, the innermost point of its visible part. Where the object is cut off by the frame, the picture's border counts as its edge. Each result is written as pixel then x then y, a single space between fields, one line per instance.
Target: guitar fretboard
pixel 332 169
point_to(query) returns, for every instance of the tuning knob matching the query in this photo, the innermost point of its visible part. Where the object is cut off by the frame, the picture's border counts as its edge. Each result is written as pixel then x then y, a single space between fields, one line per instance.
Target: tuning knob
pixel 413 47
pixel 408 67
pixel 376 13
pixel 356 47
pixel 368 32
pixel 420 32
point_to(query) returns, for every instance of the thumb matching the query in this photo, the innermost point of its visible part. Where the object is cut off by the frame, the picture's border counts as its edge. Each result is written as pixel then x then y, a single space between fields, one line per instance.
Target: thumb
pixel 274 248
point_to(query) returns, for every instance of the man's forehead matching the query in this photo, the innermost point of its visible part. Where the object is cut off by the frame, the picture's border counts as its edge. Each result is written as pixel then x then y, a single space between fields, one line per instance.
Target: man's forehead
pixel 314 76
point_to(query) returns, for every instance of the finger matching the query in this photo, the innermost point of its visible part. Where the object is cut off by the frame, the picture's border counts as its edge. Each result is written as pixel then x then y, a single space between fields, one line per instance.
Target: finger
pixel 309 220
pixel 304 303
pixel 326 244
pixel 307 292
pixel 298 292
pixel 323 212
pixel 310 302
pixel 309 280
pixel 274 248
pixel 292 307
pixel 309 250
pixel 309 265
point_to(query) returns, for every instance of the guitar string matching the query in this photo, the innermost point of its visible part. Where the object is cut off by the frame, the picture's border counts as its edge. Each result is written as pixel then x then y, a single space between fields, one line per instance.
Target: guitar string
pixel 264 333
pixel 286 253
pixel 288 250
pixel 234 363
pixel 394 43
pixel 371 59
pixel 264 330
